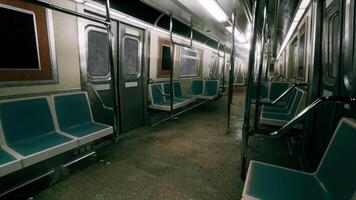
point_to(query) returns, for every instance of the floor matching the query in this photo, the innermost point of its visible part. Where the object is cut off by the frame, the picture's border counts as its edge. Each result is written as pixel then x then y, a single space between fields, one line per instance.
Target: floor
pixel 192 157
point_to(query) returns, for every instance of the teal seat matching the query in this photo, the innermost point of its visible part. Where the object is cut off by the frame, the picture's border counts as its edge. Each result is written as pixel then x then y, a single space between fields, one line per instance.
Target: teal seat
pixel 29 130
pixel 197 87
pixel 167 90
pixel 263 90
pixel 277 89
pixel 278 116
pixel 211 90
pixel 282 108
pixel 335 177
pixel 178 94
pixel 8 163
pixel 74 118
pixel 159 102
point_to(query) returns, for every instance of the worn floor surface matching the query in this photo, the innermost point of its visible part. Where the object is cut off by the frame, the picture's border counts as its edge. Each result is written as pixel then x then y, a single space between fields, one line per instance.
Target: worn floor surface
pixel 187 158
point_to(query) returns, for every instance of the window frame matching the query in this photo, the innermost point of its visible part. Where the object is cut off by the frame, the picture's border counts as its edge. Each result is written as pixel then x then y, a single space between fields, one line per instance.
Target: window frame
pixel 90 77
pixel 139 53
pixel 46 50
pixel 160 72
pixel 197 64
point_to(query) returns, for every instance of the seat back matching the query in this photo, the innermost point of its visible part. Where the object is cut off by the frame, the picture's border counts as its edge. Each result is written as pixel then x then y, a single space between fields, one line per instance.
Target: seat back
pixel 23 119
pixel 337 169
pixel 263 90
pixel 277 88
pixel 156 95
pixel 211 88
pixel 177 90
pixel 298 102
pixel 167 88
pixel 197 87
pixel 72 109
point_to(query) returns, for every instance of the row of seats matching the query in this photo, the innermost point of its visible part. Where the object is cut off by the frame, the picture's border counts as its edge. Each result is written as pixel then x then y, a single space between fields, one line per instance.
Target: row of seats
pixel 160 99
pixel 38 128
pixel 335 177
pixel 280 114
pixel 269 91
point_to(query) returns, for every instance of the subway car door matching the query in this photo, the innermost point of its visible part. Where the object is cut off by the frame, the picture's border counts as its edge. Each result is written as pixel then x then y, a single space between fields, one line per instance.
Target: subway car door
pixel 327 117
pixel 130 65
pixel 95 68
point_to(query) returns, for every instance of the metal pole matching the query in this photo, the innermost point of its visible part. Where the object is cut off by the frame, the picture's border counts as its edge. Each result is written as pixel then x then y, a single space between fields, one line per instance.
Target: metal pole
pixel 117 126
pixel 172 61
pixel 246 125
pixel 223 79
pixel 259 75
pixel 218 64
pixel 231 75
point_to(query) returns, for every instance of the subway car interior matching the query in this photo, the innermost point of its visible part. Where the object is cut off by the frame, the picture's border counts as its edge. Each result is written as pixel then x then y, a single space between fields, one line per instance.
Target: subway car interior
pixel 178 99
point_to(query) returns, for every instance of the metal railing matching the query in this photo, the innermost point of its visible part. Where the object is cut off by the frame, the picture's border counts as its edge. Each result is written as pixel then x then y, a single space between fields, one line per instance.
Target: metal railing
pixel 99 97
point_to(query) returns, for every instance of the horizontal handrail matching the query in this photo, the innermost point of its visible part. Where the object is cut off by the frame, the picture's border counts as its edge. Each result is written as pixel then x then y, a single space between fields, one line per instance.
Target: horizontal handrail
pixel 67 11
pixel 159 89
pixel 285 93
pixel 98 96
pixel 305 113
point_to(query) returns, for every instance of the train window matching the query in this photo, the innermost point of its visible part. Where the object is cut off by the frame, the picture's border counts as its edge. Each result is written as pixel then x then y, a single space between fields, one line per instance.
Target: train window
pixel 164 58
pixel 26 44
pixel 18 39
pixel 130 58
pixel 301 54
pixel 333 45
pixel 98 57
pixel 189 62
pixel 214 68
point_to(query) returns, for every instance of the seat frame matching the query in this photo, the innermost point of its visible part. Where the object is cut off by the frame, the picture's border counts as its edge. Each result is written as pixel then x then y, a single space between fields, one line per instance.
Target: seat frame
pixel 44 154
pixel 84 139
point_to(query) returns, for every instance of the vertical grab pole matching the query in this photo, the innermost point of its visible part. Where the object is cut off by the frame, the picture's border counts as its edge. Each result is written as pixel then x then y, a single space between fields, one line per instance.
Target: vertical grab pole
pixel 231 75
pixel 218 59
pixel 117 126
pixel 259 75
pixel 172 61
pixel 246 124
pixel 223 69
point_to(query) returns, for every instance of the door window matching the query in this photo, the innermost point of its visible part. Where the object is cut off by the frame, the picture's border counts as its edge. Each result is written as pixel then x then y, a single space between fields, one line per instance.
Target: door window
pixel 98 55
pixel 130 57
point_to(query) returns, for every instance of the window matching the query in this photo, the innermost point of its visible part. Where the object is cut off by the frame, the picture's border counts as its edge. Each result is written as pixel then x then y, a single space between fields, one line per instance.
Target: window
pixel 214 68
pixel 98 55
pixel 301 55
pixel 164 58
pixel 130 58
pixel 26 51
pixel 189 62
pixel 333 45
pixel 20 29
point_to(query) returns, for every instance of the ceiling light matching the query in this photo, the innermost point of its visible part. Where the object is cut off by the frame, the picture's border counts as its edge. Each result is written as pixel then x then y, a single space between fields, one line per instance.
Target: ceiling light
pixel 297 18
pixel 304 4
pixel 240 38
pixel 214 9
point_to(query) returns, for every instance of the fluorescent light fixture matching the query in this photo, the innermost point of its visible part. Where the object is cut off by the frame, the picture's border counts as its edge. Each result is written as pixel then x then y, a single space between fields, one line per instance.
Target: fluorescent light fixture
pixel 214 9
pixel 241 38
pixel 298 16
pixel 304 4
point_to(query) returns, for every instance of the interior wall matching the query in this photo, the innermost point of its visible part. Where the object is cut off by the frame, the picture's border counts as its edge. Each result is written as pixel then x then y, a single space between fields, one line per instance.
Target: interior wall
pixel 67 55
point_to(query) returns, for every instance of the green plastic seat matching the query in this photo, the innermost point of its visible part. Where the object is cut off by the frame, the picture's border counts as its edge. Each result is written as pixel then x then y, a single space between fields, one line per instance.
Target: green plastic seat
pixel 278 88
pixel 75 118
pixel 159 102
pixel 167 90
pixel 197 87
pixel 8 163
pixel 211 88
pixel 28 128
pixel 284 106
pixel 178 94
pixel 335 177
pixel 263 90
pixel 282 116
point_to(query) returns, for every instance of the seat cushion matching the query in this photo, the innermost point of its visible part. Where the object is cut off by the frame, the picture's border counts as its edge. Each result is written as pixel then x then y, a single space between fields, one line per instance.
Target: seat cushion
pixel 211 88
pixel 39 143
pixel 5 157
pixel 271 182
pixel 82 130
